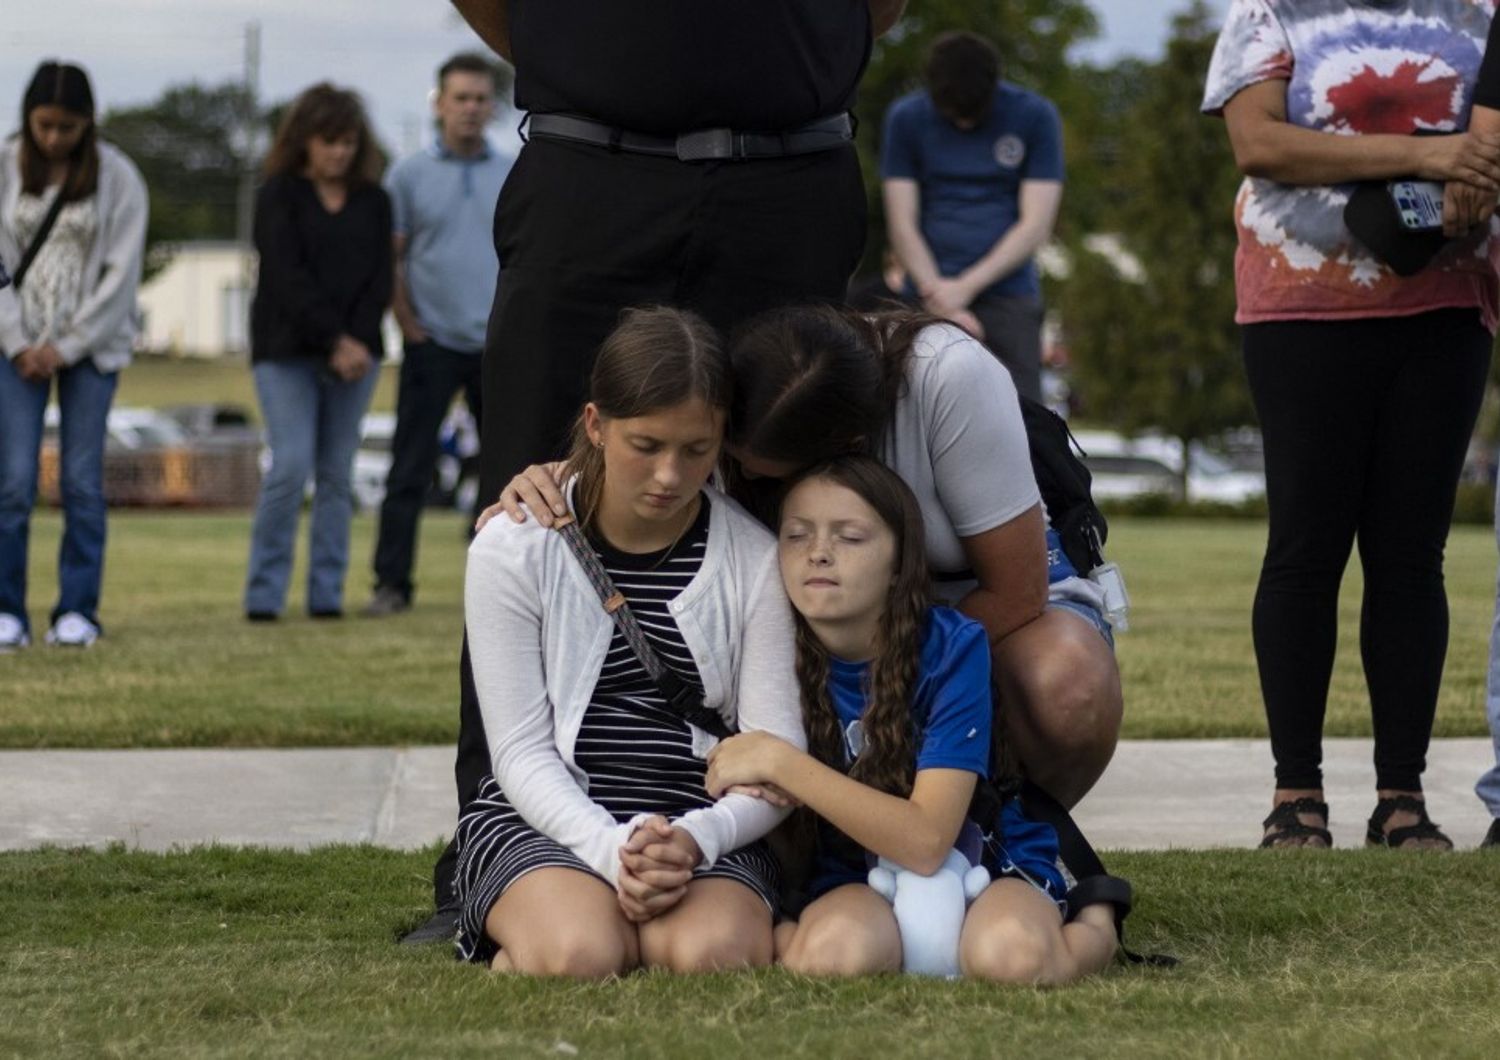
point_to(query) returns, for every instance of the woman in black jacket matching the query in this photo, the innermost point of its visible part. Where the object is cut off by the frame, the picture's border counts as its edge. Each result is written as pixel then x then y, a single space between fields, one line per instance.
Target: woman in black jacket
pixel 323 231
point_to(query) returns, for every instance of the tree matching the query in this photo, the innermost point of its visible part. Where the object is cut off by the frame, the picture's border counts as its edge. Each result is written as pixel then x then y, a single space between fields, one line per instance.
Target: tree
pixel 188 147
pixel 1033 37
pixel 1156 346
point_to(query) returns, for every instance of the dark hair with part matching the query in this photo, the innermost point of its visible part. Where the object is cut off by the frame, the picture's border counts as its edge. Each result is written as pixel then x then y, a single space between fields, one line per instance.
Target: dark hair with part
pixel 961 72
pixel 814 382
pixel 887 760
pixel 57 84
pixel 327 112
pixel 656 358
pixel 467 63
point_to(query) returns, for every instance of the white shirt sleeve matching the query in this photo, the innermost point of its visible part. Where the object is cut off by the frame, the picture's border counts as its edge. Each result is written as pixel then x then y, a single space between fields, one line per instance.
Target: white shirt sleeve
pixel 768 700
pixel 503 609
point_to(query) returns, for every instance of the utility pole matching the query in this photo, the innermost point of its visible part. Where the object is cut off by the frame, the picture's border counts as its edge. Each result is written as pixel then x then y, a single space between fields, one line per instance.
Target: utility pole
pixel 249 141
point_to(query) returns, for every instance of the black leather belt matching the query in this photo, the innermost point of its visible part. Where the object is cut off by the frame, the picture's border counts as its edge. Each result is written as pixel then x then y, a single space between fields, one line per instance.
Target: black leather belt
pixel 700 145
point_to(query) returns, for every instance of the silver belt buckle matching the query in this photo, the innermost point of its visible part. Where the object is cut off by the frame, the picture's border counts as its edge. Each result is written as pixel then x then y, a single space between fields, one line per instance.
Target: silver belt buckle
pixel 701 145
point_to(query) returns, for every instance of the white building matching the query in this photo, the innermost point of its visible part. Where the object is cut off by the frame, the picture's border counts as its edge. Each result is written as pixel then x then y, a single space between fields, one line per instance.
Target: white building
pixel 199 305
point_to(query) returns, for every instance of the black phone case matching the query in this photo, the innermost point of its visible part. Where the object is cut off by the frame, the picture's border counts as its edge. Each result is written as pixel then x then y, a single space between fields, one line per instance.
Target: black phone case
pixel 1375 220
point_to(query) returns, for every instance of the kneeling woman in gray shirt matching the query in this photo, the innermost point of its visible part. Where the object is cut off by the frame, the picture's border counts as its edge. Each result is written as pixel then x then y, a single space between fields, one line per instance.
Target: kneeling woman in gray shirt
pixel 593 847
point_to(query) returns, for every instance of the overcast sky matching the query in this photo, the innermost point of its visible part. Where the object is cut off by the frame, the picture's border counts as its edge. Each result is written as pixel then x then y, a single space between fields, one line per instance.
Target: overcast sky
pixel 387 49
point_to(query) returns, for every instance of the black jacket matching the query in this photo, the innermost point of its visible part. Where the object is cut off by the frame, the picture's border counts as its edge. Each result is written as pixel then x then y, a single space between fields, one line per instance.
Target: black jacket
pixel 321 274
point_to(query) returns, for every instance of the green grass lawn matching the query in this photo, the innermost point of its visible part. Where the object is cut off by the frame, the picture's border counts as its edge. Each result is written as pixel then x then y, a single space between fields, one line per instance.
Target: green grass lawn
pixel 180 667
pixel 247 953
pixel 156 382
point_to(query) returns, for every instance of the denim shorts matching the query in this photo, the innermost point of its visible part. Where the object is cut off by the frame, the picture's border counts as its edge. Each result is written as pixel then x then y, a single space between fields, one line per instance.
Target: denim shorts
pixel 1090 614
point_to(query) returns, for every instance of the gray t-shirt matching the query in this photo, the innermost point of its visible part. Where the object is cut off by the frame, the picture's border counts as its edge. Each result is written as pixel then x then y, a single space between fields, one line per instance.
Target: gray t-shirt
pixel 958 440
pixel 444 205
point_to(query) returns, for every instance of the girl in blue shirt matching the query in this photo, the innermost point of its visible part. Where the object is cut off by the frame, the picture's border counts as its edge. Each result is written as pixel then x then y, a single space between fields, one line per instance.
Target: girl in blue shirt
pixel 896 701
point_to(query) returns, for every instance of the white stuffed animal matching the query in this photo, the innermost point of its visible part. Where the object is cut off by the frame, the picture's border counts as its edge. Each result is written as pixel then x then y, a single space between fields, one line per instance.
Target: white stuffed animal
pixel 930 910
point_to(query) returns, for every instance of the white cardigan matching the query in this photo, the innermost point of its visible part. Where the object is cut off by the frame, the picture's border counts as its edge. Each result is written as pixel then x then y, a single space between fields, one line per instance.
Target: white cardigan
pixel 104 325
pixel 538 635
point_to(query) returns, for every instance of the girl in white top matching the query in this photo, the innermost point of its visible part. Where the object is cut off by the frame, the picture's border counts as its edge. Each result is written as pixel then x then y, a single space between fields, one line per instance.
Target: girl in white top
pixel 595 848
pixel 69 327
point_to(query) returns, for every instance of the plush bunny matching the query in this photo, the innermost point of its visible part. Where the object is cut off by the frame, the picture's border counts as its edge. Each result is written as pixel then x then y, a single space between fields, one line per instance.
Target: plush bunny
pixel 930 910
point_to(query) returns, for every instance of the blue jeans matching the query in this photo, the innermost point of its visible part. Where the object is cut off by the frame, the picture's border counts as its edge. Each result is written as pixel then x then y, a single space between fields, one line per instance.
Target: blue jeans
pixel 312 426
pixel 83 395
pixel 1488 788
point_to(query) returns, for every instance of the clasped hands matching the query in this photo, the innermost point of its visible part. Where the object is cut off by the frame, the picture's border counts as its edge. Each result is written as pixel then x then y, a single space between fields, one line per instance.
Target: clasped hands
pixel 1469 166
pixel 350 359
pixel 657 861
pixel 949 298
pixel 39 363
pixel 656 865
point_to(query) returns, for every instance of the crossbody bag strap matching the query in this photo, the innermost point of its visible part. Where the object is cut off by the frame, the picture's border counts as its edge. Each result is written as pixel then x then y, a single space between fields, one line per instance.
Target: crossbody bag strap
pixel 41 235
pixel 680 696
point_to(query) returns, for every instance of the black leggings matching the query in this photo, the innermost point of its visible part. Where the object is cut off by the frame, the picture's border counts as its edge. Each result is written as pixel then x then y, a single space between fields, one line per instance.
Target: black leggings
pixel 1365 425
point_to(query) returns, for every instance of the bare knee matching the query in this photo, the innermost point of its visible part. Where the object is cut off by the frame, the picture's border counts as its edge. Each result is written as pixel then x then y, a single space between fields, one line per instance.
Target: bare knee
pixel 574 955
pixel 1010 950
pixel 1070 697
pixel 839 946
pixel 718 948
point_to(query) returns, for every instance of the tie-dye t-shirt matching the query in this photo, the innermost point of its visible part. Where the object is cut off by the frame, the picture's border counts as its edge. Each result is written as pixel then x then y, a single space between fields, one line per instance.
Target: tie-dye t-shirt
pixel 1351 67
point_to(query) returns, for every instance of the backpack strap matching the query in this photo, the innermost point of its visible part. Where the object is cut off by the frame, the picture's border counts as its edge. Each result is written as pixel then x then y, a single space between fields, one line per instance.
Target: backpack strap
pixel 680 695
pixel 1093 884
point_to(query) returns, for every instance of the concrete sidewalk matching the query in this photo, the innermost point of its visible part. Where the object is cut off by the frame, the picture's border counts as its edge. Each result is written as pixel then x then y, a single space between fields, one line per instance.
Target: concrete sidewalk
pixel 1157 794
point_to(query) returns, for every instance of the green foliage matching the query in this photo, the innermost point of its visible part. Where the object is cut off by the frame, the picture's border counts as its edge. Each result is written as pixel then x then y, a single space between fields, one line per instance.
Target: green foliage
pixel 219 952
pixel 1033 37
pixel 1154 340
pixel 187 147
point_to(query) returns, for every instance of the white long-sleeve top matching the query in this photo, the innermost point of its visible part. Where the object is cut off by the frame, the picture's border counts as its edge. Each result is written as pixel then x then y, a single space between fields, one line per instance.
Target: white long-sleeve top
pixel 538 635
pixel 104 324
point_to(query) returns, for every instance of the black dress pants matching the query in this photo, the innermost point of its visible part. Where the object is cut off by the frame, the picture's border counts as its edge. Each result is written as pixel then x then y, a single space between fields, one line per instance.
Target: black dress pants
pixel 430 376
pixel 1365 424
pixel 583 233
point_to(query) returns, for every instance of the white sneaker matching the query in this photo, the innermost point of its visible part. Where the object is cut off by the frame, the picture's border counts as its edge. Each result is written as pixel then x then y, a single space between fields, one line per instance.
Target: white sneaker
pixel 72 630
pixel 12 633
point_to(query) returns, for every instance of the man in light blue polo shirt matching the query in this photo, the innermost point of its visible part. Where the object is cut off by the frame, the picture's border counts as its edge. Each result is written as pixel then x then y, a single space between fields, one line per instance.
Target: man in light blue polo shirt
pixel 972 173
pixel 443 206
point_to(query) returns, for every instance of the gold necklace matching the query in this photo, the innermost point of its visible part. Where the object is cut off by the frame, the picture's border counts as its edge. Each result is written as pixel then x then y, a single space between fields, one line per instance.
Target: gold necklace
pixel 693 510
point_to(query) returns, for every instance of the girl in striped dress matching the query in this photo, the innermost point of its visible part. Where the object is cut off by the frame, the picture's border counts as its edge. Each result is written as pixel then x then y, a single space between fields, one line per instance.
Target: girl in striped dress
pixel 594 848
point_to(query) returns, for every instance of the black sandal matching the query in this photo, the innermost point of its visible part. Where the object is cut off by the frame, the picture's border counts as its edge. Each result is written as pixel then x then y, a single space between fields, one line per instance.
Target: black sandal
pixel 1377 836
pixel 1289 826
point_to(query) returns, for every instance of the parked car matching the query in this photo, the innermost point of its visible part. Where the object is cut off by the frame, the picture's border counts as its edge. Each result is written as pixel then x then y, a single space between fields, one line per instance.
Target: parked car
pixel 1151 463
pixel 150 460
pixel 372 460
pixel 218 423
pixel 125 430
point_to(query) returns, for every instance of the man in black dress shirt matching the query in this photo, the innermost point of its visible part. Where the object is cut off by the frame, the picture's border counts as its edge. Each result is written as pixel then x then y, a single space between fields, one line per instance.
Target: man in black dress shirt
pixel 696 153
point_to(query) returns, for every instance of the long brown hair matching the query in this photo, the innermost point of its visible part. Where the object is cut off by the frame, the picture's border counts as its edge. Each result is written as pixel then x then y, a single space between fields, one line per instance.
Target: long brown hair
pixel 887 760
pixel 328 112
pixel 813 382
pixel 67 86
pixel 656 357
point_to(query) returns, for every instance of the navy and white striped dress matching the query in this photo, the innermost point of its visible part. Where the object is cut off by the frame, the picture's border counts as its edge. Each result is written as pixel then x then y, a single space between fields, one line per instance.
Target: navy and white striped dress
pixel 635 749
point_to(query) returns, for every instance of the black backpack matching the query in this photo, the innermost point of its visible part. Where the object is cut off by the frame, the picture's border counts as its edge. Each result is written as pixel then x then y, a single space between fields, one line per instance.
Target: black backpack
pixel 1066 486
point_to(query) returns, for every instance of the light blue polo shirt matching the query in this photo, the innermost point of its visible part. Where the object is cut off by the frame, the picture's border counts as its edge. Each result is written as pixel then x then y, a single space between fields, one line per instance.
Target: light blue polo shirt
pixel 444 205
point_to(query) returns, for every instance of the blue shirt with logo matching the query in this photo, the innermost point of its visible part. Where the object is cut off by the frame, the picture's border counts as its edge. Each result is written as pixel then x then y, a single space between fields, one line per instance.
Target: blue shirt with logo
pixel 951 703
pixel 952 695
pixel 970 180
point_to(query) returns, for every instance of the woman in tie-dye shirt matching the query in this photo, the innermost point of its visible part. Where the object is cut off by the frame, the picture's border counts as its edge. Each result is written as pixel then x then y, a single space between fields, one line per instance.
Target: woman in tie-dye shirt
pixel 1367 384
